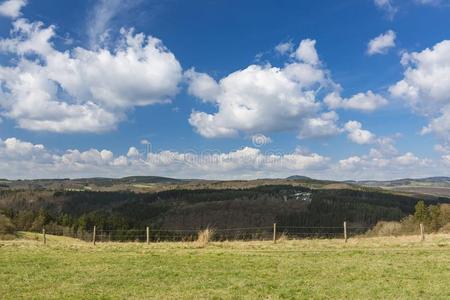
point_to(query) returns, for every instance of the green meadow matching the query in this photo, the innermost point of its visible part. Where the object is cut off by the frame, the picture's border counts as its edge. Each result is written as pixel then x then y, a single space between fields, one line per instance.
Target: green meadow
pixel 383 268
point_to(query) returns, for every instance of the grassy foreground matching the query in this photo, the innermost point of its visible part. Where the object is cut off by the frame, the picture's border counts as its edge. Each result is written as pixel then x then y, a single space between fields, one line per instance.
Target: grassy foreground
pixel 388 268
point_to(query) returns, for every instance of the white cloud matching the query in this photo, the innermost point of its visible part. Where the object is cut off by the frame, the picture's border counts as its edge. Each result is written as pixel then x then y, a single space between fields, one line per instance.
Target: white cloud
pixel 426 86
pixel 382 43
pixel 76 158
pixel 23 159
pixel 384 146
pixel 426 81
pixel 284 48
pixel 351 162
pixel 12 8
pixel 440 125
pixel 211 126
pixel 366 102
pixel 99 22
pixel 202 85
pixel 306 75
pixel 446 159
pixel 13 147
pixel 256 99
pixel 386 166
pixel 358 135
pixel 322 126
pixel 306 52
pixel 387 6
pixel 133 152
pixel 82 90
pixel 407 159
pixel 442 148
pixel 263 98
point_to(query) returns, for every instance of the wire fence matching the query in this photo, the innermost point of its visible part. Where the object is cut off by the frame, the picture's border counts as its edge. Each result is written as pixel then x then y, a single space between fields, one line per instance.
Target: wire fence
pixel 149 234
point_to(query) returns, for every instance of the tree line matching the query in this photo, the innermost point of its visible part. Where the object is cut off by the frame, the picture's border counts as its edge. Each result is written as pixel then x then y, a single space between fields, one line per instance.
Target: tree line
pixel 75 212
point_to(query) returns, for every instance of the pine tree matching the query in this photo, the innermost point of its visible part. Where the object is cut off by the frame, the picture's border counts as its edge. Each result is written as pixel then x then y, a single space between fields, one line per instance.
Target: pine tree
pixel 421 215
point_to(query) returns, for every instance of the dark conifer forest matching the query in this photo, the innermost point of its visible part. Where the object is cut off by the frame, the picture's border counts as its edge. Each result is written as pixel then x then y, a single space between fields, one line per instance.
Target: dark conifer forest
pixel 72 212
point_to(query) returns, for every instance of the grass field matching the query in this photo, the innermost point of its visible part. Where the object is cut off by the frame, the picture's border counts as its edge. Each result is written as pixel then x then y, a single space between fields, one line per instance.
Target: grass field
pixel 387 268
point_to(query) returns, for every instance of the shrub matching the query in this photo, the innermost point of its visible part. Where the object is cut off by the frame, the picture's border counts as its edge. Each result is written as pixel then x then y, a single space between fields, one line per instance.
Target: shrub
pixel 445 228
pixel 383 228
pixel 444 215
pixel 7 228
pixel 409 225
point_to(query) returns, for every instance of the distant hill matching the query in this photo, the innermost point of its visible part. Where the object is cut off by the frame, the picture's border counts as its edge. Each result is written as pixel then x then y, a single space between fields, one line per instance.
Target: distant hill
pixel 129 180
pixel 434 186
pixel 434 181
pixel 298 177
pixel 438 186
pixel 94 183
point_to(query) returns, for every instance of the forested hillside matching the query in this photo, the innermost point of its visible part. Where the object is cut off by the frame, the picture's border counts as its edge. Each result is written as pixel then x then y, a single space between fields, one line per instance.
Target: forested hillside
pixel 194 209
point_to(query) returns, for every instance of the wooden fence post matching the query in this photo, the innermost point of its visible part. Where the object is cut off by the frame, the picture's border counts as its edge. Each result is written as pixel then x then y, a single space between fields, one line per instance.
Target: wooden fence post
pixel 274 233
pixel 422 232
pixel 345 231
pixel 43 234
pixel 148 235
pixel 93 235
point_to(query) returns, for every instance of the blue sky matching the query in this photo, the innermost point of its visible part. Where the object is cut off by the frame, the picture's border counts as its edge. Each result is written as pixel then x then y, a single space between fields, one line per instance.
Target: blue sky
pixel 225 89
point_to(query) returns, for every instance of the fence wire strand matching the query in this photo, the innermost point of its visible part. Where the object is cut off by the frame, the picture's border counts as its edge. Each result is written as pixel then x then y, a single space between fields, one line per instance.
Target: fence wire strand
pixel 218 234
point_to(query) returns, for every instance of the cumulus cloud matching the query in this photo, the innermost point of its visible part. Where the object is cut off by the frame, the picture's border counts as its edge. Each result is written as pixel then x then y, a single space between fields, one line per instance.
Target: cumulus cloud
pixel 202 85
pixel 358 135
pixel 382 43
pixel 265 98
pixel 440 125
pixel 407 159
pixel 383 164
pixel 82 90
pixel 306 52
pixel 76 158
pixel 367 162
pixel 13 147
pixel 256 99
pixel 384 146
pixel 12 8
pixel 366 102
pixel 425 83
pixel 23 157
pixel 426 86
pixel 322 126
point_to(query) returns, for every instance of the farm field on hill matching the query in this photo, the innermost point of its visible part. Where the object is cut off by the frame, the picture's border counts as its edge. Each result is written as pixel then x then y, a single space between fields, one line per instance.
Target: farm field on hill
pixel 388 268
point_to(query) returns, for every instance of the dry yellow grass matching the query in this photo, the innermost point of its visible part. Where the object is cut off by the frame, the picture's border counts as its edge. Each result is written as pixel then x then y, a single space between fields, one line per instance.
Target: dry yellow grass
pixel 204 237
pixel 385 243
